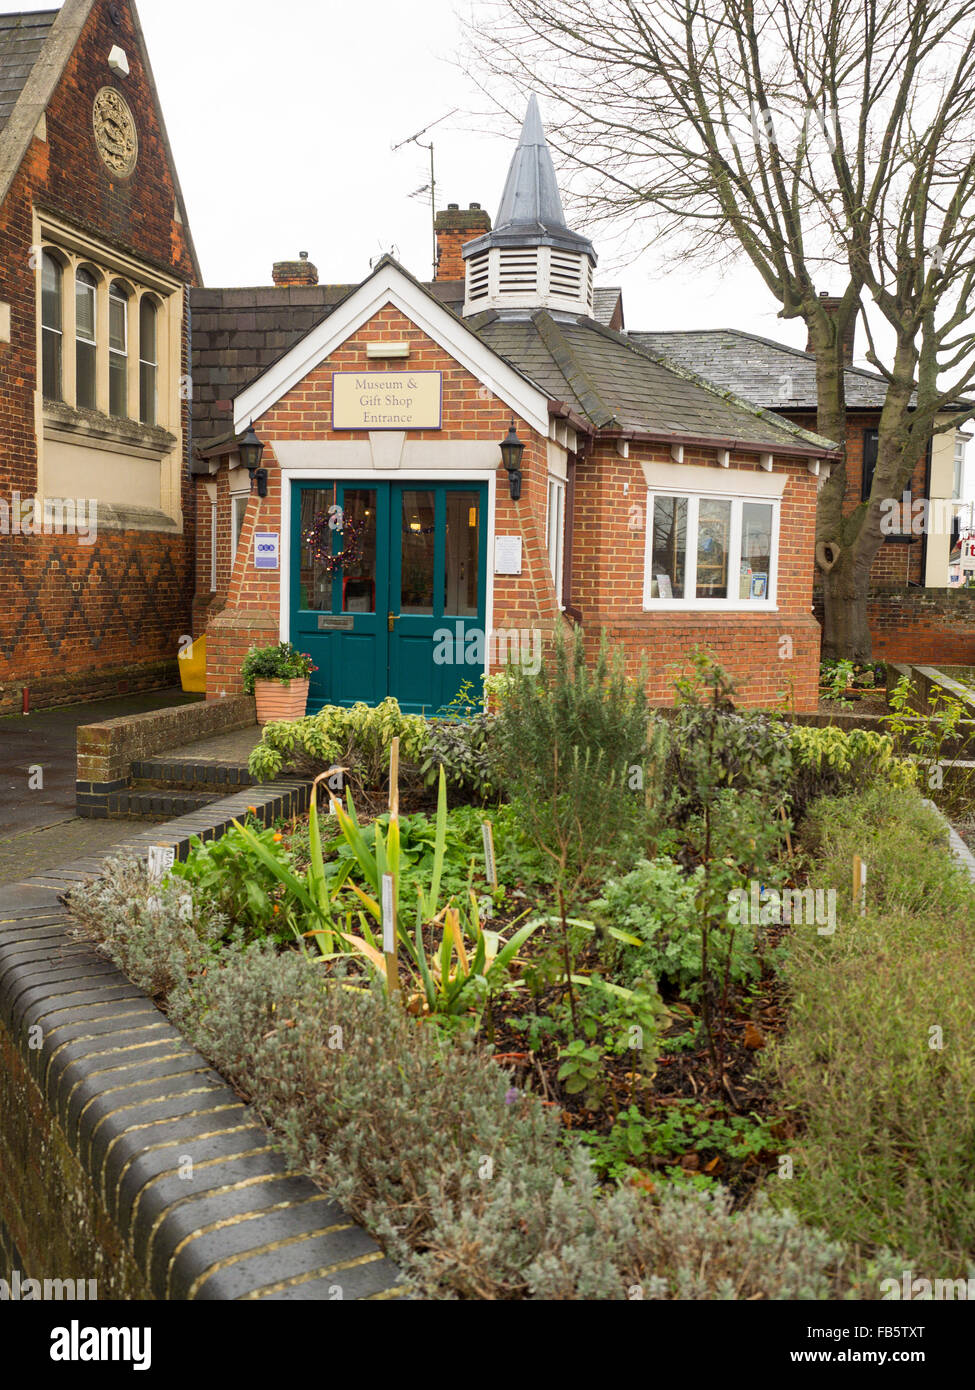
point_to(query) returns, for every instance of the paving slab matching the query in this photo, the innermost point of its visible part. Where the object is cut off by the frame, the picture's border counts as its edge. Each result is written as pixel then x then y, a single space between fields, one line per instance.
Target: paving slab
pixel 48 740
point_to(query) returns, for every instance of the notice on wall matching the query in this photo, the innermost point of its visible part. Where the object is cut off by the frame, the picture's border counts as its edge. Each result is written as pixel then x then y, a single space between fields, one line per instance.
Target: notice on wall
pixel 267 550
pixel 507 555
pixel 387 400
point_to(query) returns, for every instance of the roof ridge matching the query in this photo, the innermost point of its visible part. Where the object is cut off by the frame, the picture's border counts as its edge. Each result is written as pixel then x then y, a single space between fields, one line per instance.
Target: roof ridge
pixel 560 349
pixel 757 411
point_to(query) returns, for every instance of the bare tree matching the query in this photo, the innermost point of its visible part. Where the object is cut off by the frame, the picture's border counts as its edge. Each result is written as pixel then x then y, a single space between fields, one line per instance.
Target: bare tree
pixel 815 137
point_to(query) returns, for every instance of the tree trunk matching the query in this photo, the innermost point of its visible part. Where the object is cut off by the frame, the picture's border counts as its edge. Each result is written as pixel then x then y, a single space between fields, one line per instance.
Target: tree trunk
pixel 846 631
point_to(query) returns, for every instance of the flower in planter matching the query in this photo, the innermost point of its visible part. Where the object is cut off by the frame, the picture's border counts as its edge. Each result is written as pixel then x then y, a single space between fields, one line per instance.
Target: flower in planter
pixel 281 663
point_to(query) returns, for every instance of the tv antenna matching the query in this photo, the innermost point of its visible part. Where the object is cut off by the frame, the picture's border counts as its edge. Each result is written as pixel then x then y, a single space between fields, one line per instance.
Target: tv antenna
pixel 430 187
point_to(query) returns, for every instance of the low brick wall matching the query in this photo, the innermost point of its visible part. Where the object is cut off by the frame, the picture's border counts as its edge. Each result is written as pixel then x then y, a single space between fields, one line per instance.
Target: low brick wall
pixel 923 626
pixel 107 751
pixel 127 1165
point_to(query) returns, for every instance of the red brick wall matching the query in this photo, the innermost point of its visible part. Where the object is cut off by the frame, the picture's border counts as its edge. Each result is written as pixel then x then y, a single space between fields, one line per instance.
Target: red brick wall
pixel 608 577
pixel 470 412
pixel 923 626
pixel 64 606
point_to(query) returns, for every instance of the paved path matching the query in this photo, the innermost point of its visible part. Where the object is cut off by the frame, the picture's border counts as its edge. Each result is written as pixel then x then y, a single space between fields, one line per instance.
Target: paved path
pixel 38 826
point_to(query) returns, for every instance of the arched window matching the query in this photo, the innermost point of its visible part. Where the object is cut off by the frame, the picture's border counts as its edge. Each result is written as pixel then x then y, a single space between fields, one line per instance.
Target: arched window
pixel 85 292
pixel 51 320
pixel 118 351
pixel 148 363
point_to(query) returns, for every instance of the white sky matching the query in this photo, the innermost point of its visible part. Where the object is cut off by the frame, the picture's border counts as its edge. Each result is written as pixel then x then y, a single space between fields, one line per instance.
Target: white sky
pixel 281 117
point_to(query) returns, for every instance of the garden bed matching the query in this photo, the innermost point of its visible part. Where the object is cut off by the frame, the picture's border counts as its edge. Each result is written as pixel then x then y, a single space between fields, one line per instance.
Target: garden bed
pixel 592 1035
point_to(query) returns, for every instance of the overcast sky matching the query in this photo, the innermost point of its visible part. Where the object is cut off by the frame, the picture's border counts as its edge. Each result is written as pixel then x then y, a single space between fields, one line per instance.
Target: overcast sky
pixel 282 117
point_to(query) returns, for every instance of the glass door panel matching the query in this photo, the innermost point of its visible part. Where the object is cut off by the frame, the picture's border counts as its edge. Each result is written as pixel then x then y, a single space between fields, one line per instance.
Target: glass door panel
pixel 418 538
pixel 463 548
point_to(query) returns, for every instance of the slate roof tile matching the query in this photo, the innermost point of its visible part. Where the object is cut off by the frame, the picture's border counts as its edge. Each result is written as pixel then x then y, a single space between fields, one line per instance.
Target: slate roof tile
pixel 22 37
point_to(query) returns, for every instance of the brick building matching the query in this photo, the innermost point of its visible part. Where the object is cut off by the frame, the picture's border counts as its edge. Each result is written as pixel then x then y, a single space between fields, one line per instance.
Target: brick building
pixel 784 379
pixel 96 536
pixel 651 503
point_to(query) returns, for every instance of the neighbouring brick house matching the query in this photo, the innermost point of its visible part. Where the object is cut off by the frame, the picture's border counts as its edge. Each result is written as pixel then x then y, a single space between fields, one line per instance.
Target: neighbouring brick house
pixel 652 504
pixel 784 379
pixel 96 574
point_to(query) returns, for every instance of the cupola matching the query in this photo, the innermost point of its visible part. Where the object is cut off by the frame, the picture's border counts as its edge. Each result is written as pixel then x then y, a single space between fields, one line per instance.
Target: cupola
pixel 530 260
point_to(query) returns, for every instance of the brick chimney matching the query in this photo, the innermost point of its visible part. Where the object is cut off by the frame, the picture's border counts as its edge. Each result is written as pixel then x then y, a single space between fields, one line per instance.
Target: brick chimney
pixel 299 272
pixel 455 227
pixel 849 338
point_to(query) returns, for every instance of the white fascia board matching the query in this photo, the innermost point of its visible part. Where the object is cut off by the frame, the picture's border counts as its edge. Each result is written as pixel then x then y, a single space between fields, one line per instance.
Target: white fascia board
pixel 390 287
pixel 695 477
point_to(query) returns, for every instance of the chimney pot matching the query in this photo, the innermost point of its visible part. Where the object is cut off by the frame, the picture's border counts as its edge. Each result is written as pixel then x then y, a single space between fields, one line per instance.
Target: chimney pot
pixel 453 207
pixel 849 337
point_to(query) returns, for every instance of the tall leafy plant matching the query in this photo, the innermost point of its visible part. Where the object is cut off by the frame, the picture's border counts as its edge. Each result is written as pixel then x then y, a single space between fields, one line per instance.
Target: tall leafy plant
pixel 567 739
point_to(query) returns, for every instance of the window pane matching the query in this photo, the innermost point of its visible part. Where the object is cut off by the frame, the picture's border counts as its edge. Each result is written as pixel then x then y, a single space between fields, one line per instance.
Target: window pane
pixel 463 548
pixel 84 306
pixel 239 512
pixel 147 361
pixel 417 546
pixel 669 561
pixel 51 365
pixel 50 293
pixel 713 535
pixel 85 373
pixel 756 550
pixel 147 393
pixel 118 404
pixel 117 320
pixel 359 577
pixel 315 582
pixel 147 330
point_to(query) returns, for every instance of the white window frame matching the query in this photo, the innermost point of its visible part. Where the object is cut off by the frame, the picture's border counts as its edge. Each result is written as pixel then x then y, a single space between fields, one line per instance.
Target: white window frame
pixel 213 547
pixel 555 542
pixel 692 602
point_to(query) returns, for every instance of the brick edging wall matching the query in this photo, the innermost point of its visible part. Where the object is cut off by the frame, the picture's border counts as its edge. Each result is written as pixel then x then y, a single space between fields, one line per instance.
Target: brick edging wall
pixel 176 1190
pixel 107 751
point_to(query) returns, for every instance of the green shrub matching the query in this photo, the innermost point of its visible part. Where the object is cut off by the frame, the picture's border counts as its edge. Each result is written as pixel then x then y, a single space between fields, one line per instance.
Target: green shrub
pixel 829 761
pixel 160 934
pixel 879 1054
pixel 227 873
pixel 464 748
pixel 657 902
pixel 358 739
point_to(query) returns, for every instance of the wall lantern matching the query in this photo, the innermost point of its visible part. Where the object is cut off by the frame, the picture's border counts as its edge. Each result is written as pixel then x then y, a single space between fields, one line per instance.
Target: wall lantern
pixel 251 452
pixel 512 451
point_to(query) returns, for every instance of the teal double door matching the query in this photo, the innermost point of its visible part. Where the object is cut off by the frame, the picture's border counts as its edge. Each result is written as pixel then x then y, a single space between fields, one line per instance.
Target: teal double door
pixel 401 609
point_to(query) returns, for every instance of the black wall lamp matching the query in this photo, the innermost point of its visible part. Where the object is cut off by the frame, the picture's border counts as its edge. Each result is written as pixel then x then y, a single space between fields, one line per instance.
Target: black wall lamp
pixel 512 452
pixel 251 452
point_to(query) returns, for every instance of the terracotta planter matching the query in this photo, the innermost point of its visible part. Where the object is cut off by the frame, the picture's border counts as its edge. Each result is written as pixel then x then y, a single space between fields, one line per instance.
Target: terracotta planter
pixel 280 700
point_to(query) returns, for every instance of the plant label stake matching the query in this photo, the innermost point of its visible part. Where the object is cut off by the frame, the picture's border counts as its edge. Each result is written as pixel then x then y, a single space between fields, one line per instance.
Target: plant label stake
pixel 860 884
pixel 161 859
pixel 389 933
pixel 490 865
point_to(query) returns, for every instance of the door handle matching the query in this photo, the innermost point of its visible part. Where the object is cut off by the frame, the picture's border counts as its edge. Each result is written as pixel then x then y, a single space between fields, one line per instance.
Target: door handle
pixel 391 620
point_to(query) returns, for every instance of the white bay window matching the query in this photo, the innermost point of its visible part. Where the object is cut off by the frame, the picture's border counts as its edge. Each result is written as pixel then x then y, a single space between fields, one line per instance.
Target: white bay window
pixel 709 551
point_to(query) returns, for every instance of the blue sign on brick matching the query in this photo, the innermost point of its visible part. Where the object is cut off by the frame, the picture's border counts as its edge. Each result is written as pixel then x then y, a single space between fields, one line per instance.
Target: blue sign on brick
pixel 267 550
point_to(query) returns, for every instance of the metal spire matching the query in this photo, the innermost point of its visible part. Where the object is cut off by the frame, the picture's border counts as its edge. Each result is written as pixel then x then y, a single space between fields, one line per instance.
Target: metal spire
pixel 531 195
